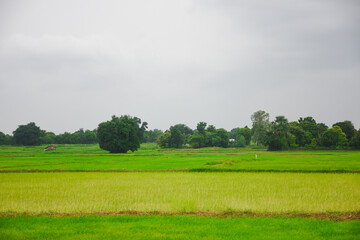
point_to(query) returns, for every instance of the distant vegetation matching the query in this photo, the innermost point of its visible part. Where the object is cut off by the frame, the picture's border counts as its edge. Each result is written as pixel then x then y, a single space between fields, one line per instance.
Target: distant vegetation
pixel 280 134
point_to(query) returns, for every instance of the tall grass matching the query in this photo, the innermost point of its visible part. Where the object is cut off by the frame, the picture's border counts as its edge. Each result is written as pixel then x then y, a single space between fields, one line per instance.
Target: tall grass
pixel 259 192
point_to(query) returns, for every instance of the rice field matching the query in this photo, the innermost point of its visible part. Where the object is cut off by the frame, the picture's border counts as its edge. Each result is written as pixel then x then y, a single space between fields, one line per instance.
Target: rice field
pixel 179 191
pixel 149 157
pixel 153 193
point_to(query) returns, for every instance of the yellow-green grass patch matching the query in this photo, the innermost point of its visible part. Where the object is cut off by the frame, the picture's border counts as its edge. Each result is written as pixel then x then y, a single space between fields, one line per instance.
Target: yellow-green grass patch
pixel 179 191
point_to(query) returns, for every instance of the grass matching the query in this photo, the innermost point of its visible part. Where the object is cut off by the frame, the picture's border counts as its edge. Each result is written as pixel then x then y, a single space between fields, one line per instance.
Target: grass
pixel 174 227
pixel 179 191
pixel 149 157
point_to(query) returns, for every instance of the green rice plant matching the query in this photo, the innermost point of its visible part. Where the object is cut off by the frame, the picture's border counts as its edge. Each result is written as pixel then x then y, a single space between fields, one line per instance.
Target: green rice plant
pixel 179 191
pixel 174 227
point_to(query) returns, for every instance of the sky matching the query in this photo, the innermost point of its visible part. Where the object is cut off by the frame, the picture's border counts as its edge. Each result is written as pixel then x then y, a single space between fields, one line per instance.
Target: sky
pixel 71 64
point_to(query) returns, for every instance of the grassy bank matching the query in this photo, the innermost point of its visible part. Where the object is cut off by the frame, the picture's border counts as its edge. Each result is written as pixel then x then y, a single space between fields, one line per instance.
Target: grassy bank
pixel 256 192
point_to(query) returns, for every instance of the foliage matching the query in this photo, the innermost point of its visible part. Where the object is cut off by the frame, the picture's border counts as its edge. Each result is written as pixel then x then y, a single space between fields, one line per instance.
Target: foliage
pixel 308 124
pixel 279 137
pixel 240 141
pixel 246 132
pixel 152 135
pixel 347 127
pixel 302 137
pixel 333 137
pixel 164 140
pixel 220 138
pixel 184 130
pixel 211 128
pixel 233 133
pixel 355 140
pixel 27 135
pixel 78 137
pixel 120 134
pixel 5 139
pixel 201 127
pixel 197 140
pixel 172 138
pixel 177 138
pixel 260 125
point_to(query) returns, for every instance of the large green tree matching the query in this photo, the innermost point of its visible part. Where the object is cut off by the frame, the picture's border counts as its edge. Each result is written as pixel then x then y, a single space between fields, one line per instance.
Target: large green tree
pixel 28 135
pixel 177 139
pixel 120 134
pixel 279 136
pixel 260 126
pixel 333 137
pixel 347 127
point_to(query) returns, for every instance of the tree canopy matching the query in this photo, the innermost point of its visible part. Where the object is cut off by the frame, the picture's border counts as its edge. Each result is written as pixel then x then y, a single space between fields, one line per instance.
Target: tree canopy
pixel 260 125
pixel 120 134
pixel 27 135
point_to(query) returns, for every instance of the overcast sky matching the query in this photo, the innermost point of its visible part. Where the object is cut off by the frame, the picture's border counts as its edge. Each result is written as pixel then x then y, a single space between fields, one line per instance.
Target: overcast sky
pixel 72 64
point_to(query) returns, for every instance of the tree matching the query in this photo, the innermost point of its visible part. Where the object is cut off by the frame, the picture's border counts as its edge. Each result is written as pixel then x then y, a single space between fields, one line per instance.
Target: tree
pixel 120 134
pixel 201 126
pixel 355 140
pixel 233 133
pixel 260 126
pixel 279 137
pixel 142 129
pixel 176 138
pixel 27 135
pixel 171 139
pixel 4 139
pixel 211 128
pixel 246 132
pixel 152 135
pixel 333 137
pixel 164 140
pixel 185 130
pixel 48 138
pixel 302 137
pixel 240 141
pixel 220 138
pixel 197 140
pixel 347 127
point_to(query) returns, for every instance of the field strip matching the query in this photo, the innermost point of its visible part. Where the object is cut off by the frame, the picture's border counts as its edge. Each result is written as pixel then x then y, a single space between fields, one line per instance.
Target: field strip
pixel 43 164
pixel 179 192
pixel 334 216
pixel 170 170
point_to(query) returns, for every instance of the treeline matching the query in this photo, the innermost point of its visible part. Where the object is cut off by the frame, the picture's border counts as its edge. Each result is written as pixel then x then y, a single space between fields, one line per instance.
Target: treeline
pixel 279 134
pixel 31 135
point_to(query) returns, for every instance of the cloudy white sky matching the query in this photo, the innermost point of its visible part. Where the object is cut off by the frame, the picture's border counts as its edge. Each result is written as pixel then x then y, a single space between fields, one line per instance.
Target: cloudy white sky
pixel 72 64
